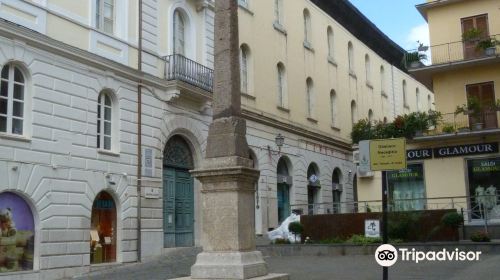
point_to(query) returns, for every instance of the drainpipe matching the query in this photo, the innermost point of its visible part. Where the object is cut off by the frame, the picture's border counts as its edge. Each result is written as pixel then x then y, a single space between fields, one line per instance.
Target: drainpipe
pixel 394 114
pixel 139 138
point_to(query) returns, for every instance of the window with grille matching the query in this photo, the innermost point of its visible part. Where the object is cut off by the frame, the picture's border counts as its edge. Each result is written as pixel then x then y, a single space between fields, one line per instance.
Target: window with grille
pixel 12 99
pixel 105 16
pixel 104 122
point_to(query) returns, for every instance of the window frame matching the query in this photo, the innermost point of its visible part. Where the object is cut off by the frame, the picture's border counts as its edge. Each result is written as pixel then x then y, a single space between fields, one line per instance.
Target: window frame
pixel 101 18
pixel 101 121
pixel 307 27
pixel 244 56
pixel 10 100
pixel 282 89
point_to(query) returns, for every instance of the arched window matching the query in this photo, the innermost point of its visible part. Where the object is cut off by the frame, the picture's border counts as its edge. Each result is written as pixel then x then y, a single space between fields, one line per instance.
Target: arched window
pixel 105 16
pixel 350 53
pixel 284 181
pixel 310 97
pixel 333 107
pixel 278 11
pixel 103 232
pixel 244 68
pixel 18 235
pixel 336 190
pixel 12 100
pixel 313 187
pixel 417 95
pixel 307 26
pixel 354 112
pixel 382 79
pixel 367 69
pixel 179 33
pixel 370 116
pixel 405 97
pixel 104 121
pixel 282 91
pixel 330 38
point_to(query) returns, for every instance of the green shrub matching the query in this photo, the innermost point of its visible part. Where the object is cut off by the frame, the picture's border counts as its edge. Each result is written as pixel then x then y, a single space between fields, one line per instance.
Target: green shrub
pixel 480 236
pixel 363 240
pixel 403 225
pixel 296 228
pixel 334 240
pixel 281 241
pixel 452 219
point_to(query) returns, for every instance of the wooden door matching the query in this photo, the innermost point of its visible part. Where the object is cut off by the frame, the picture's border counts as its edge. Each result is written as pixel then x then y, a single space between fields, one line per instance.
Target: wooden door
pixel 485 94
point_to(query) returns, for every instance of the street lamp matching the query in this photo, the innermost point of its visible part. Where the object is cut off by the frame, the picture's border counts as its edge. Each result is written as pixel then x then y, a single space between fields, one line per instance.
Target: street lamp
pixel 279 140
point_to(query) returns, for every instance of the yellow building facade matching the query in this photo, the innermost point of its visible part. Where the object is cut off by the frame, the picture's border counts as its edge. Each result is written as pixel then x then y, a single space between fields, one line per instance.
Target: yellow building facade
pixel 458 163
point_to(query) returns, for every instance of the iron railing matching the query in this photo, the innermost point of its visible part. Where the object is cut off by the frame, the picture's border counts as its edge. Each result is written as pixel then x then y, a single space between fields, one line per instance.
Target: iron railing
pixel 179 67
pixel 473 211
pixel 455 52
pixel 457 123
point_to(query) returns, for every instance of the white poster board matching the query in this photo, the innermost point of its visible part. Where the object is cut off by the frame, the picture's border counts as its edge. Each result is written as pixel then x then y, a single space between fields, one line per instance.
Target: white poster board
pixel 372 228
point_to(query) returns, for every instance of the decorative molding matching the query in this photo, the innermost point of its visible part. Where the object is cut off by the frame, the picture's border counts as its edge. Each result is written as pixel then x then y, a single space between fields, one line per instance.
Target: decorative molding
pixel 308 46
pixel 246 95
pixel 283 109
pixel 332 61
pixel 24 14
pixel 280 28
pixel 108 47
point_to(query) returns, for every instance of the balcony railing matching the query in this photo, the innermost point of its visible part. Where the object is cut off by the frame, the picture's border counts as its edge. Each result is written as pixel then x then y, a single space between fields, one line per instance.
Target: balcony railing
pixel 452 123
pixel 179 67
pixel 455 52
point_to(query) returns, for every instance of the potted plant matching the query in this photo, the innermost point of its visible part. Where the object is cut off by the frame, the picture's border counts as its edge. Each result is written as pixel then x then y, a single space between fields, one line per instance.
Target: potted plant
pixel 448 128
pixel 488 45
pixel 472 35
pixel 414 59
pixel 296 228
pixel 474 109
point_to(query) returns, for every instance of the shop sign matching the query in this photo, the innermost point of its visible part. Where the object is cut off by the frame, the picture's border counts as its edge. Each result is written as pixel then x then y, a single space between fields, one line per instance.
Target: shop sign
pixel 372 228
pixel 418 154
pixel 388 154
pixel 151 193
pixel 465 150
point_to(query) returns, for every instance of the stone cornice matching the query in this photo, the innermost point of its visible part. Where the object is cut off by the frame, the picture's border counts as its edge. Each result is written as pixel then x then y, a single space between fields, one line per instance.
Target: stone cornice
pixel 296 129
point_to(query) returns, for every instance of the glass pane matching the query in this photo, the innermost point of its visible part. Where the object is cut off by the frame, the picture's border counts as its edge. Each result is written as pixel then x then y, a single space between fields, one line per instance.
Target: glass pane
pixel 17 126
pixel 98 126
pixel 108 10
pixel 3 106
pixel 107 100
pixel 107 143
pixel 99 110
pixel 3 124
pixel 98 141
pixel 108 26
pixel 5 72
pixel 107 113
pixel 18 75
pixel 4 88
pixel 18 109
pixel 107 128
pixel 18 92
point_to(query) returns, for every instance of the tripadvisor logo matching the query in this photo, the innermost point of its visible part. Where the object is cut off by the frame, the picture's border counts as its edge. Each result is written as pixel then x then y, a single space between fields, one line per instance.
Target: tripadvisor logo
pixel 387 255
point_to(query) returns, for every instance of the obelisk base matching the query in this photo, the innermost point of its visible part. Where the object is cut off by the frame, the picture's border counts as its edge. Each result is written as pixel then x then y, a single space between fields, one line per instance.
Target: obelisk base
pixel 229 265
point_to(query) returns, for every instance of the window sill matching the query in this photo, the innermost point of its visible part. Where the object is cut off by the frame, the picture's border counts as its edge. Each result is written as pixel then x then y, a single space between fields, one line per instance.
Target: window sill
pixel 278 27
pixel 369 85
pixel 384 94
pixel 308 46
pixel 283 109
pixel 107 153
pixel 14 137
pixel 245 8
pixel 248 96
pixel 332 61
pixel 352 74
pixel 335 128
pixel 313 120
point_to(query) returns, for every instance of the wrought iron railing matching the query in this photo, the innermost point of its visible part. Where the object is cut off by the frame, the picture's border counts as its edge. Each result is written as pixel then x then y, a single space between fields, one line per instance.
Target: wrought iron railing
pixel 456 52
pixel 179 67
pixel 488 209
pixel 457 123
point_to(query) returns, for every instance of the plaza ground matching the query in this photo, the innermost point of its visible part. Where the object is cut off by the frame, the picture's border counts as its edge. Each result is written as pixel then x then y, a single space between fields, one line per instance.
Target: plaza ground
pixel 316 268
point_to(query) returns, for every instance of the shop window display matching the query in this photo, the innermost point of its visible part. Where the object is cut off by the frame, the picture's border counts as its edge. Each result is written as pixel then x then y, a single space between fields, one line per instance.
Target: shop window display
pixel 407 188
pixel 484 187
pixel 17 234
pixel 103 230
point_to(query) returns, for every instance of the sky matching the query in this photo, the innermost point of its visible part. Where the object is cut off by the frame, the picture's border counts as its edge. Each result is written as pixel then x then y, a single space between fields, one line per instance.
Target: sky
pixel 398 19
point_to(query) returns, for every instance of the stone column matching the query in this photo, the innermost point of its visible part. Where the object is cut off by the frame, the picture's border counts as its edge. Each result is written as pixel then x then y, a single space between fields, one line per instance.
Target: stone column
pixel 227 177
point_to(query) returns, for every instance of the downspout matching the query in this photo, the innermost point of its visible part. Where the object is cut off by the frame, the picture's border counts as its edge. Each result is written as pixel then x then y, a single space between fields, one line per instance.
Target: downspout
pixel 393 93
pixel 139 139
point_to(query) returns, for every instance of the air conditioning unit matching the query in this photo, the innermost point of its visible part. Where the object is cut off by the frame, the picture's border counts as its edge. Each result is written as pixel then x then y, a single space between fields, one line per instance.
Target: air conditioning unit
pixel 363 174
pixel 355 157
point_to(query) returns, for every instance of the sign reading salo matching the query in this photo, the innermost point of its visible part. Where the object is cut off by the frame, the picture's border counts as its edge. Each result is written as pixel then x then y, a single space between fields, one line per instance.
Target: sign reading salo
pixel 388 154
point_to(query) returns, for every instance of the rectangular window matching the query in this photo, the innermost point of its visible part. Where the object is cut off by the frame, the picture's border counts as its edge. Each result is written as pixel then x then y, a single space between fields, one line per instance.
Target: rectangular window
pixel 484 187
pixel 407 188
pixel 479 23
pixel 105 15
pixel 484 96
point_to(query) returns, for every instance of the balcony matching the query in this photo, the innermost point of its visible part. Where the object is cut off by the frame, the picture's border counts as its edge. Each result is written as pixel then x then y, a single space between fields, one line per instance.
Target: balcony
pixel 181 68
pixel 450 56
pixel 461 124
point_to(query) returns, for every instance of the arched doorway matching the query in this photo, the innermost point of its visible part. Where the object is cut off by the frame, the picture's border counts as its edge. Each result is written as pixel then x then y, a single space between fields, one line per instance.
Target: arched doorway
pixel 17 233
pixel 313 187
pixel 178 194
pixel 284 183
pixel 336 190
pixel 103 229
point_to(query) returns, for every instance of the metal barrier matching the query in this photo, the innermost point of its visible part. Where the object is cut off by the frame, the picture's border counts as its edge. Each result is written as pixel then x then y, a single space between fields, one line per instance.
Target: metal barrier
pixel 179 67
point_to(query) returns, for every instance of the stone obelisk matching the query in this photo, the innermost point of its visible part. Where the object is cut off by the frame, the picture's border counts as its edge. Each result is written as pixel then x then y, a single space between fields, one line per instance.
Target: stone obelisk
pixel 227 175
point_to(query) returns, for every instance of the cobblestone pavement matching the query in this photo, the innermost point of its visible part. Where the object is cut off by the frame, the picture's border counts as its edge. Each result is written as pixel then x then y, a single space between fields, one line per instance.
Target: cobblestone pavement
pixel 320 268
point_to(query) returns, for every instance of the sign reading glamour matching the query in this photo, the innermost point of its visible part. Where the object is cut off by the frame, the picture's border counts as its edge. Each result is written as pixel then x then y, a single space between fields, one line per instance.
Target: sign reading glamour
pixel 464 150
